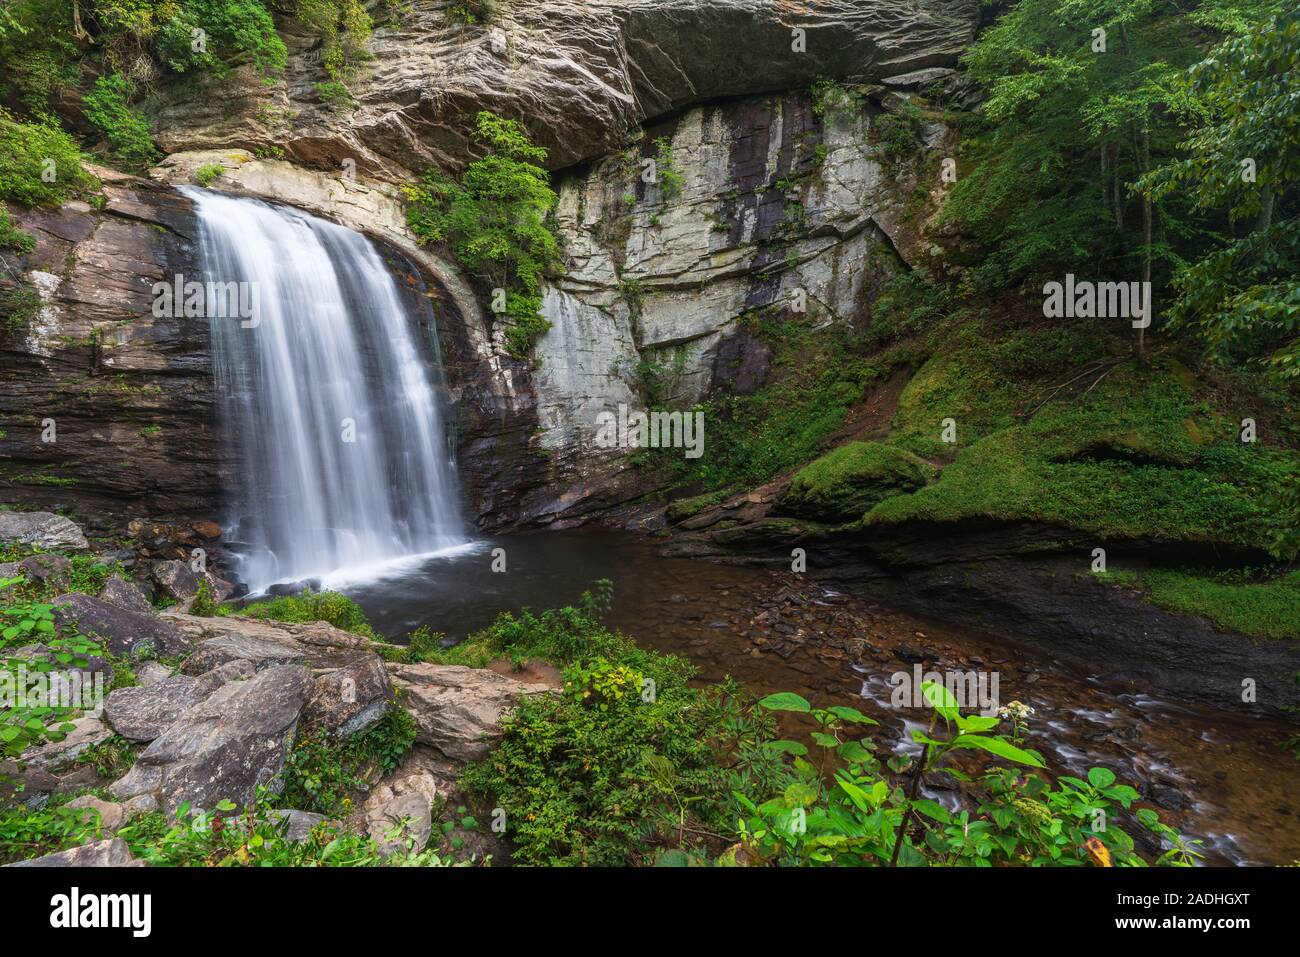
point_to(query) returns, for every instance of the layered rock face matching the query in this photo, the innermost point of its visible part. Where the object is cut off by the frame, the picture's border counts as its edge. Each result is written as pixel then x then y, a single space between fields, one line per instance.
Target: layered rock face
pixel 103 404
pixel 580 74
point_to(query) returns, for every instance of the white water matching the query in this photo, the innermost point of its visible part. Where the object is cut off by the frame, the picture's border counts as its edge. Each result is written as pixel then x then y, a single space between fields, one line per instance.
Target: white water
pixel 332 342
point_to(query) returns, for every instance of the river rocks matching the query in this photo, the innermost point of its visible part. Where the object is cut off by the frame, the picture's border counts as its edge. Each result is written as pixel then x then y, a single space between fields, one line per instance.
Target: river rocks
pixel 397 814
pixel 226 746
pixel 49 571
pixel 110 853
pixel 124 632
pixel 42 530
pixel 300 823
pixel 350 700
pixel 458 710
pixel 142 713
pixel 174 578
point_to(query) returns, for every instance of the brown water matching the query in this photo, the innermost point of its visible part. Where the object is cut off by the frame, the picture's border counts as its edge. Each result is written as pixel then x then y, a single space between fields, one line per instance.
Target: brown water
pixel 1217 776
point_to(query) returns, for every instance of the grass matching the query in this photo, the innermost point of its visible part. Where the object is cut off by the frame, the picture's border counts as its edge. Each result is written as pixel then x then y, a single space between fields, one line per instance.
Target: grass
pixel 329 606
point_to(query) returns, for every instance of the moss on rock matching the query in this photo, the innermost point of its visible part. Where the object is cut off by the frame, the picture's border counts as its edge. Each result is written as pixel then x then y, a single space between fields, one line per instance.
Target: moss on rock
pixel 846 482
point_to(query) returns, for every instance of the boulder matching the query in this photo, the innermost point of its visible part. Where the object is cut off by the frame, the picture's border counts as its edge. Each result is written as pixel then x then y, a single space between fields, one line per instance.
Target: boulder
pixel 42 530
pixel 124 632
pixel 144 712
pixel 124 594
pixel 400 824
pixel 87 731
pixel 109 853
pixel 458 710
pixel 226 746
pixel 152 672
pixel 301 823
pixel 234 646
pixel 50 571
pixel 350 700
pixel 113 815
pixel 175 579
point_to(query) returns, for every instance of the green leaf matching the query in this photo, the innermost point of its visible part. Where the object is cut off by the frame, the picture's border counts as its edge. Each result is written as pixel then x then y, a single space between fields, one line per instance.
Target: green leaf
pixel 786 701
pixel 786 747
pixel 845 713
pixel 1101 777
pixel 999 746
pixel 941 699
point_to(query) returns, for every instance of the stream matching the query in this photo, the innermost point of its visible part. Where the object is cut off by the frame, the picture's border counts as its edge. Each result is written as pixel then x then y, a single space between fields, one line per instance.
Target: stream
pixel 1214 775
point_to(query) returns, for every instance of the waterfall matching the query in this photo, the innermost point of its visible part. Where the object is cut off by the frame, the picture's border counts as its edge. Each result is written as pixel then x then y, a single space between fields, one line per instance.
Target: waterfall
pixel 324 399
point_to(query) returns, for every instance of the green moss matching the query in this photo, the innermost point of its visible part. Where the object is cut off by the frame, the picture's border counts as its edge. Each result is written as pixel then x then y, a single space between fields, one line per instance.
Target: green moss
pixel 1138 457
pixel 1260 609
pixel 37 478
pixel 686 507
pixel 847 481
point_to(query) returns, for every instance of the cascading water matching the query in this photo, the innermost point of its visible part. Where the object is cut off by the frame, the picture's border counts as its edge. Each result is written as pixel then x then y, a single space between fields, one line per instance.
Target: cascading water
pixel 324 397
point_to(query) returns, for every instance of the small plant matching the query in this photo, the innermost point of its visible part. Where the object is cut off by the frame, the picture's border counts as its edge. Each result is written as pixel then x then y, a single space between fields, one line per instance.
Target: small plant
pixel 203 605
pixel 126 130
pixel 669 176
pixel 206 173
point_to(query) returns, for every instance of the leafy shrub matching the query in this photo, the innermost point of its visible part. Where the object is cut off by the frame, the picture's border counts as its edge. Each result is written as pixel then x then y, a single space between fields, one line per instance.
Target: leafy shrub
pixel 203 605
pixel 495 221
pixel 126 130
pixel 29 149
pixel 206 173
pixel 11 237
pixel 322 774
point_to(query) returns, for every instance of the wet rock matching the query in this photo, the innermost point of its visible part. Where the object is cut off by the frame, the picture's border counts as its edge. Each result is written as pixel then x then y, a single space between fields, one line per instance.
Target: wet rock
pixel 175 579
pixel 210 531
pixel 457 710
pixel 124 594
pixel 124 632
pixel 226 746
pixel 350 700
pixel 42 530
pixel 110 853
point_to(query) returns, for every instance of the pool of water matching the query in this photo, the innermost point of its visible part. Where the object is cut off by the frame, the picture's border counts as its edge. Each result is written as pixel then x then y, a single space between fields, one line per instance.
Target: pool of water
pixel 1217 776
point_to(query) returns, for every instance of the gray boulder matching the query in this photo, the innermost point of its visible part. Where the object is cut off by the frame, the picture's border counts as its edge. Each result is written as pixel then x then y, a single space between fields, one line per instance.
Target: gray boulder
pixel 458 710
pixel 226 746
pixel 43 530
pixel 124 594
pixel 350 700
pixel 86 732
pixel 233 646
pixel 144 712
pixel 124 632
pixel 110 853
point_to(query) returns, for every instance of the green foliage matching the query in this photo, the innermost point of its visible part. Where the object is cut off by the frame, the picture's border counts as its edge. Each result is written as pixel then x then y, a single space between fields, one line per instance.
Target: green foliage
pixel 1138 456
pixel 324 774
pixel 28 150
pixel 344 27
pixel 848 807
pixel 236 30
pixel 1257 606
pixel 667 174
pixel 206 173
pixel 845 482
pixel 1242 155
pixel 126 130
pixel 203 605
pixel 495 221
pixel 334 94
pixel 339 610
pixel 25 834
pixel 899 135
pixel 13 238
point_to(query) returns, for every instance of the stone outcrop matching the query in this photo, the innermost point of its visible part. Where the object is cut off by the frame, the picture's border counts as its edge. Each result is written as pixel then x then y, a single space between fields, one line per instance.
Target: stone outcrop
pixel 40 529
pixel 458 710
pixel 124 632
pixel 144 712
pixel 580 73
pixel 350 700
pixel 226 746
pixel 109 853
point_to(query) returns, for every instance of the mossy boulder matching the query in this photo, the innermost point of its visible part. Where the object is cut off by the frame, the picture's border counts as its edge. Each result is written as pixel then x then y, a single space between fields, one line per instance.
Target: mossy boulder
pixel 847 481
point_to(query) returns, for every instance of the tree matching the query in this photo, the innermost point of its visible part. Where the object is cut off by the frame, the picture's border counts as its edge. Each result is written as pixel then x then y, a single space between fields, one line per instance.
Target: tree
pixel 1240 159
